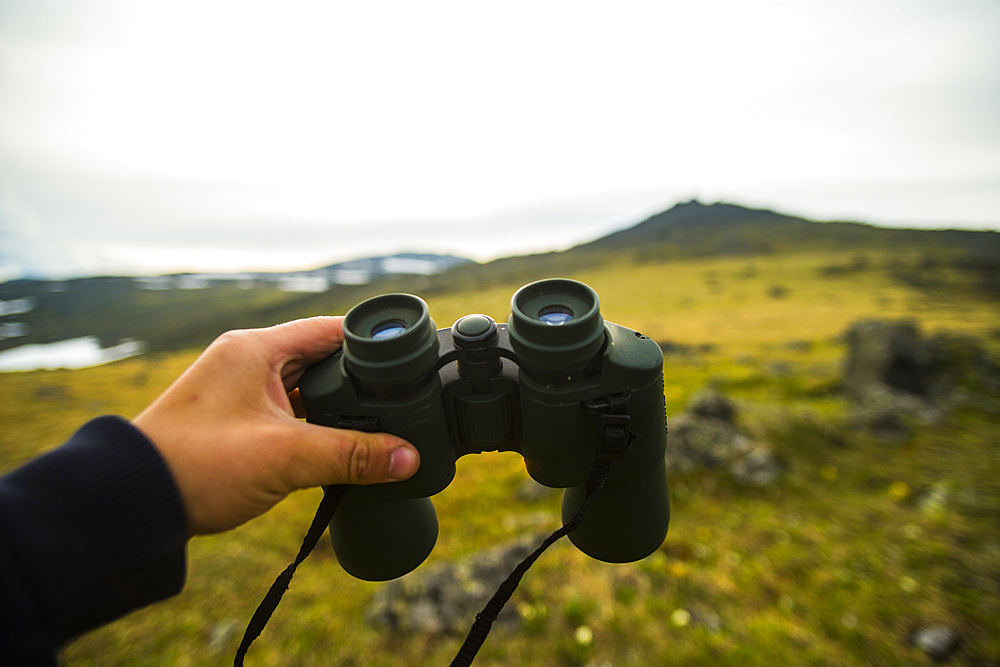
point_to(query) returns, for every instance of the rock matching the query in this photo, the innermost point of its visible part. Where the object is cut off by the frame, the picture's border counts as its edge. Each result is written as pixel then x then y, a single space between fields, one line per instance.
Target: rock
pixel 894 359
pixel 445 599
pixel 885 422
pixel 706 437
pixel 887 354
pixel 895 375
pixel 695 441
pixel 937 641
pixel 760 468
pixel 713 404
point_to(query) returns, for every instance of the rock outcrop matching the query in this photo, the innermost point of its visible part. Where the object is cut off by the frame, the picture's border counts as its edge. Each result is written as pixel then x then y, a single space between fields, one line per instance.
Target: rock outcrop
pixel 445 599
pixel 894 374
pixel 706 436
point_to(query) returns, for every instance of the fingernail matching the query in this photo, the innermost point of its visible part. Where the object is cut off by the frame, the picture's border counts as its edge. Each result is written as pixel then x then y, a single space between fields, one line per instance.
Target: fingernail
pixel 403 463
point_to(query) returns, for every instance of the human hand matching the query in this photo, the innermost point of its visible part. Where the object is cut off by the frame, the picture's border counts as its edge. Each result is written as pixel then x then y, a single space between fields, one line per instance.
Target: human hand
pixel 229 435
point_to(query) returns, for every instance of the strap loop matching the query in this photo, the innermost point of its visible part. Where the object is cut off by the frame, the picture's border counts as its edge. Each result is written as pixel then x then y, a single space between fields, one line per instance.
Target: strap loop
pixel 616 433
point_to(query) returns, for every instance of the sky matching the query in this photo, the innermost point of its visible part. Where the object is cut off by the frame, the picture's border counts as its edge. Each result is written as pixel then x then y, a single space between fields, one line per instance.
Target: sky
pixel 142 137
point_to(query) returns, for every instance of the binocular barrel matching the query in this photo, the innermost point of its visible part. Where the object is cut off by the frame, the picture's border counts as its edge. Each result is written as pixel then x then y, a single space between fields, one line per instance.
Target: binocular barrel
pixel 535 385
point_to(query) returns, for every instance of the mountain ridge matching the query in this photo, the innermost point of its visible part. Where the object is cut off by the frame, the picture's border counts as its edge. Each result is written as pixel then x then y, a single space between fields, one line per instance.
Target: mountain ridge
pixel 189 310
pixel 726 228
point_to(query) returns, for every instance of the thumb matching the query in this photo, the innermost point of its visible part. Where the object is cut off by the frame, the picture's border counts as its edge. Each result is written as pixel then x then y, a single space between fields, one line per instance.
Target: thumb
pixel 320 455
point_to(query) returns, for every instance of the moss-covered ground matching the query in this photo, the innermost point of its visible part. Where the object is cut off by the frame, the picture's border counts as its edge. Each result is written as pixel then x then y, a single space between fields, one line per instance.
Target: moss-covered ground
pixel 861 542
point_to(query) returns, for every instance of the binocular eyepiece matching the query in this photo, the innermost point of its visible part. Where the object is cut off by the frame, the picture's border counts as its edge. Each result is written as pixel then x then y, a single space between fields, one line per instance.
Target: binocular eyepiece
pixel 390 342
pixel 555 326
pixel 548 384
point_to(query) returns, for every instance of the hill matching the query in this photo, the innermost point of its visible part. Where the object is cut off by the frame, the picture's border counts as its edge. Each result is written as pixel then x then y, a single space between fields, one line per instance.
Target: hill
pixel 167 314
pixel 691 230
pixel 695 229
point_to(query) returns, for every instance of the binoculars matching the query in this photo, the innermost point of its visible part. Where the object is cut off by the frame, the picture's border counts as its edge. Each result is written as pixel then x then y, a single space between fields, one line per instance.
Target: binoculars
pixel 557 384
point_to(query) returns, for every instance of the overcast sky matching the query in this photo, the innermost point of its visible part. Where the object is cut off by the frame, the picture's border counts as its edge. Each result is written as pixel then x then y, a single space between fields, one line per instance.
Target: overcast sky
pixel 147 136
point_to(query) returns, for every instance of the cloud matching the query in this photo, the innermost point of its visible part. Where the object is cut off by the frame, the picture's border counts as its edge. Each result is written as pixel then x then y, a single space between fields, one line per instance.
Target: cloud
pixel 23 242
pixel 131 131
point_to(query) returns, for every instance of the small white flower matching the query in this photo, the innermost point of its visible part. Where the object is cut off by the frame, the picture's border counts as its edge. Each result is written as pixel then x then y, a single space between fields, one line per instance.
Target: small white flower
pixel 680 618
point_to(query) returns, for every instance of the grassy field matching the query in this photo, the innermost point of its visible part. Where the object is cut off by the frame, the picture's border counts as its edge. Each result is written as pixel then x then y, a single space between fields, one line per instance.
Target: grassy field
pixel 838 564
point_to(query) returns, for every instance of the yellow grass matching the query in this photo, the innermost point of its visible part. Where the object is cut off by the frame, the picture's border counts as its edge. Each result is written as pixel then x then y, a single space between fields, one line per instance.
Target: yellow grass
pixel 806 573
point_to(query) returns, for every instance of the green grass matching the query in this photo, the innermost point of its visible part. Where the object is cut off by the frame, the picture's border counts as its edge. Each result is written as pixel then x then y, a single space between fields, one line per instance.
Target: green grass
pixel 836 565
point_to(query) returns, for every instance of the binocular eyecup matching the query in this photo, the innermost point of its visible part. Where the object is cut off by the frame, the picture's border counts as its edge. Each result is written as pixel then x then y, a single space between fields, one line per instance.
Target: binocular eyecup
pixel 390 342
pixel 555 326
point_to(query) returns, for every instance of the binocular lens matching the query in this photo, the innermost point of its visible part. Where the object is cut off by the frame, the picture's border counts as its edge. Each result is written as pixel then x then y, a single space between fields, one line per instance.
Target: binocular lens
pixel 387 330
pixel 556 325
pixel 555 315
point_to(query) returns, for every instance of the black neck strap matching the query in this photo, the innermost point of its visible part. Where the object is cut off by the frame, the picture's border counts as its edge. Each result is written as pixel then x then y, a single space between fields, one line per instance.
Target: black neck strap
pixel 327 506
pixel 485 618
pixel 615 440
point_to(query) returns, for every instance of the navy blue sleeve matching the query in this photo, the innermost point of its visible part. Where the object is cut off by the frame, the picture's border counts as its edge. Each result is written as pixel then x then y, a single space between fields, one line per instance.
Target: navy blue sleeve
pixel 88 532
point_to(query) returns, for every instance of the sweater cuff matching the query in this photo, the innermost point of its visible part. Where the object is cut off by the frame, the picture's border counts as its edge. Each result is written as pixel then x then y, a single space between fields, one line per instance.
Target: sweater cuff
pixel 102 527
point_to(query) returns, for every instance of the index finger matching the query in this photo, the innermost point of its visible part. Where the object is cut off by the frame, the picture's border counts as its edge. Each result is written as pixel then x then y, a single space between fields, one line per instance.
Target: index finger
pixel 299 344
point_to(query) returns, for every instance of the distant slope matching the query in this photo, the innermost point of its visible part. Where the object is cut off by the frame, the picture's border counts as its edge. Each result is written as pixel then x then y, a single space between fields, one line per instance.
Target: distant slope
pixel 351 272
pixel 401 263
pixel 696 229
pixel 691 230
pixel 169 318
pixel 183 310
pixel 691 223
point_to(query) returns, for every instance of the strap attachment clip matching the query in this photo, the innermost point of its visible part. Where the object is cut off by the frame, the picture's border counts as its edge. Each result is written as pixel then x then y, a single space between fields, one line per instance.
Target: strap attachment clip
pixel 616 433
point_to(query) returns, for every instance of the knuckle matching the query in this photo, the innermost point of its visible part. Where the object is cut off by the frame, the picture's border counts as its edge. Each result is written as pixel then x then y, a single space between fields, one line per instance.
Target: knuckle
pixel 230 338
pixel 360 459
pixel 229 343
pixel 239 345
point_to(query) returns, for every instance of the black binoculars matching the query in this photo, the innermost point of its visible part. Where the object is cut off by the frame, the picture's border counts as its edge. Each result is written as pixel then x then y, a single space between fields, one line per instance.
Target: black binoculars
pixel 557 384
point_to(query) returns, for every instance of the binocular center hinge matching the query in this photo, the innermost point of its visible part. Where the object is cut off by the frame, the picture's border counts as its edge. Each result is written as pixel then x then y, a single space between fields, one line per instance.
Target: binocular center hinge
pixel 616 433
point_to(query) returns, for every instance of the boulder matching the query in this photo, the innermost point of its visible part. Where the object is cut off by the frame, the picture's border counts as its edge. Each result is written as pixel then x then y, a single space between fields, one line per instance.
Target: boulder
pixel 939 642
pixel 695 441
pixel 706 436
pixel 715 405
pixel 894 357
pixel 760 468
pixel 895 375
pixel 887 355
pixel 445 599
